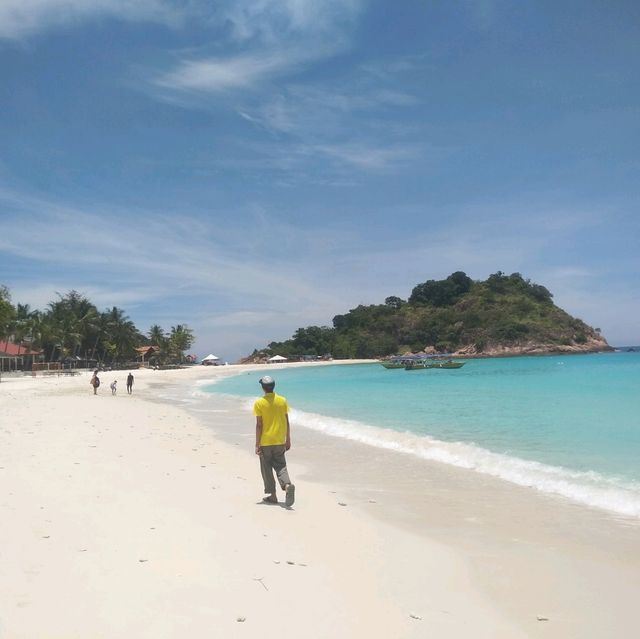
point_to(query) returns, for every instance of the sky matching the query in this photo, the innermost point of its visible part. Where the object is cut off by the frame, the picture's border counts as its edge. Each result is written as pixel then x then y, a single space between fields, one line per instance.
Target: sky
pixel 248 167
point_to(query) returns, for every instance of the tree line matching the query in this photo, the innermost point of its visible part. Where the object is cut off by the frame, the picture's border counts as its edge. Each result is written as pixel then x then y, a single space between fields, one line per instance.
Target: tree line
pixel 73 327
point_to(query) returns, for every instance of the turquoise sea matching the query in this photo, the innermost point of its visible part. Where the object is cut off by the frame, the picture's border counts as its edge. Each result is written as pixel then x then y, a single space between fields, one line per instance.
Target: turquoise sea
pixel 567 425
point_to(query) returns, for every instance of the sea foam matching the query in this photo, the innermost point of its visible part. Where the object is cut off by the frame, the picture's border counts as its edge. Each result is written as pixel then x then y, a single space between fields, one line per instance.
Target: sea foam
pixel 587 488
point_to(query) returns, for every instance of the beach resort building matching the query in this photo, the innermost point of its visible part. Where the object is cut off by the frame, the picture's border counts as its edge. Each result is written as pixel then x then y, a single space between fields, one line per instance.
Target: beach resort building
pixel 17 357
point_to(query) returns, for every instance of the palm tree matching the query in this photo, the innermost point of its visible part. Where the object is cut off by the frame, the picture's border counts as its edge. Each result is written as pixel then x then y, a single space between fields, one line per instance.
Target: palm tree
pixel 180 340
pixel 122 334
pixel 7 312
pixel 158 338
pixel 47 334
pixel 156 335
pixel 74 315
pixel 89 327
pixel 100 336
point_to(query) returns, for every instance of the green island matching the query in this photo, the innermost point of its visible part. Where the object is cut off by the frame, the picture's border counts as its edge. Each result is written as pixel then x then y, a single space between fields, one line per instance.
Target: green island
pixel 504 315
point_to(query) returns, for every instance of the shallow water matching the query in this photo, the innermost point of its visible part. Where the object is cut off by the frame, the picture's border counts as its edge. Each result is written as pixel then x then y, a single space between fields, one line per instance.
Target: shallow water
pixel 568 425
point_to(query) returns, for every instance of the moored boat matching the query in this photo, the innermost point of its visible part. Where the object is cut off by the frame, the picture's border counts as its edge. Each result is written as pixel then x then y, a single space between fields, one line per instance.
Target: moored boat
pixel 420 362
pixel 390 364
pixel 431 363
pixel 398 361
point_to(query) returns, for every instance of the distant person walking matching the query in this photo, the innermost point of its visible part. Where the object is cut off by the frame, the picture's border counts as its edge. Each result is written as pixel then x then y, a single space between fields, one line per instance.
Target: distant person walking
pixel 95 382
pixel 129 383
pixel 114 386
pixel 273 438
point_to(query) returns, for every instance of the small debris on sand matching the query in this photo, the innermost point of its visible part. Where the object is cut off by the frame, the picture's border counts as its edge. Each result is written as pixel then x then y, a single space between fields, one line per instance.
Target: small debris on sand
pixel 418 617
pixel 541 618
pixel 241 619
pixel 341 503
pixel 291 563
pixel 259 579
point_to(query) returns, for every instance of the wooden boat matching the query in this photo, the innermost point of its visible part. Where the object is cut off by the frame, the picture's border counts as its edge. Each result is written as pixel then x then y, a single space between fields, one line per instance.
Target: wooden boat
pixel 449 364
pixel 417 362
pixel 399 361
pixel 427 364
pixel 393 364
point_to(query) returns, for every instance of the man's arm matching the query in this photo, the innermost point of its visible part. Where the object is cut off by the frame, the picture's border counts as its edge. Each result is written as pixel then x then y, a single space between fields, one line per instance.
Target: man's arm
pixel 258 435
pixel 287 444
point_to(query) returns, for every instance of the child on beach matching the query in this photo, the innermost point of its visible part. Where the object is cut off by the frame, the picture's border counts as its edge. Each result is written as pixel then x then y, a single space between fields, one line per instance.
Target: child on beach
pixel 113 386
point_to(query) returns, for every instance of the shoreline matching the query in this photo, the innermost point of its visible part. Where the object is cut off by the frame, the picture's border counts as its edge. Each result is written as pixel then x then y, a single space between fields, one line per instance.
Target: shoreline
pixel 611 494
pixel 502 529
pixel 413 538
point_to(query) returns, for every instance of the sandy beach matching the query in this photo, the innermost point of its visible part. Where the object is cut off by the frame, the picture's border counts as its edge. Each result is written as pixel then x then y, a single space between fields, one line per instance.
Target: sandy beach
pixel 140 516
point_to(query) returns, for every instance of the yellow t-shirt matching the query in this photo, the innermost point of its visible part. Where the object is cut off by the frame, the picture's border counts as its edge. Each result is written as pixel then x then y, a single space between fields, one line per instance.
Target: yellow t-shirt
pixel 273 409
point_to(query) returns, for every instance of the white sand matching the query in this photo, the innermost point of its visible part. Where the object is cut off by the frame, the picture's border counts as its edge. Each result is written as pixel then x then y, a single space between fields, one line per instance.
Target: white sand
pixel 126 517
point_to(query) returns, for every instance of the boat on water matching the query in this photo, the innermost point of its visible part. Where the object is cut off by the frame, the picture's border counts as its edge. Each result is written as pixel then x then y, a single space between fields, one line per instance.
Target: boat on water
pixel 400 361
pixel 396 363
pixel 420 362
pixel 416 366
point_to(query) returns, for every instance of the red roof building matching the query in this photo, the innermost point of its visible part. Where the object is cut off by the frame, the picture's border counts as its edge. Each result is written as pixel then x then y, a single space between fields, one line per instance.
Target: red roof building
pixel 9 349
pixel 16 356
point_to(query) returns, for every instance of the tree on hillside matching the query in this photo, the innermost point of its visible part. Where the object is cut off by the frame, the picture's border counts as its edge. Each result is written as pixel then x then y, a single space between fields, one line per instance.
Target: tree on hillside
pixel 502 284
pixel 441 292
pixel 394 302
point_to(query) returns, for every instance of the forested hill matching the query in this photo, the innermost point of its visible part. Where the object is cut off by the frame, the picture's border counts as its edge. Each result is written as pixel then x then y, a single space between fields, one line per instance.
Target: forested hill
pixel 503 315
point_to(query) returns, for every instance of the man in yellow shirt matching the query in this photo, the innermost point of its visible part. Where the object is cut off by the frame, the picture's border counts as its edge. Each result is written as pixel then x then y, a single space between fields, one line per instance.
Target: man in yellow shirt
pixel 273 438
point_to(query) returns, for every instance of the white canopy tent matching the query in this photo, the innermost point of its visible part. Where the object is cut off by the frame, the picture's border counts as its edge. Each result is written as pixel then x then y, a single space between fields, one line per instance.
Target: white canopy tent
pixel 277 358
pixel 210 359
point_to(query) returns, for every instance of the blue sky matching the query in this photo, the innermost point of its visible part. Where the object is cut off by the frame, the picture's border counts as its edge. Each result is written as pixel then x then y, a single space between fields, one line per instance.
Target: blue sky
pixel 249 167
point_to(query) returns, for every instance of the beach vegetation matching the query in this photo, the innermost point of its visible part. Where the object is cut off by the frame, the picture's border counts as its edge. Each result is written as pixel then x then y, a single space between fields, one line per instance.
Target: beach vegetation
pixel 71 328
pixel 448 315
pixel 7 312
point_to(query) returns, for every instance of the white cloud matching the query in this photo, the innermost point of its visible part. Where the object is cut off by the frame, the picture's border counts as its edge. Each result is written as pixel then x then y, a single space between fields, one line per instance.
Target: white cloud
pixel 272 22
pixel 249 20
pixel 262 40
pixel 328 108
pixel 223 74
pixel 363 156
pixel 155 254
pixel 20 18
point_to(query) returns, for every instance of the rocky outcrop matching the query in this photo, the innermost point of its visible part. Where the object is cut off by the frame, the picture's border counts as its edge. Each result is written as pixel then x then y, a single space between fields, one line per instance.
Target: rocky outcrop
pixel 593 344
